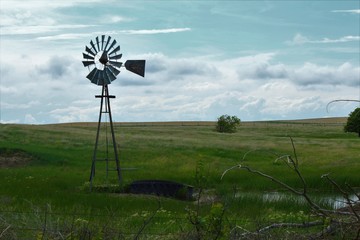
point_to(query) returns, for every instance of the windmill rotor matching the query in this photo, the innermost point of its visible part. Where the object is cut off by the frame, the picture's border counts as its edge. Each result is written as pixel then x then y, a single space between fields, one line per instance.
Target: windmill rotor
pixel 103 54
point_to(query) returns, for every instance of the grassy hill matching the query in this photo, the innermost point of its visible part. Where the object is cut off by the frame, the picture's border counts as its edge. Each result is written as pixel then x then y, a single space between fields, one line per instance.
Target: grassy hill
pixel 50 167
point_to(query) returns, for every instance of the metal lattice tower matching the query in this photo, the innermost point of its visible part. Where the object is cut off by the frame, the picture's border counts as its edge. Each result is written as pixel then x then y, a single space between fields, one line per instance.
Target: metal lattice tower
pixel 103 56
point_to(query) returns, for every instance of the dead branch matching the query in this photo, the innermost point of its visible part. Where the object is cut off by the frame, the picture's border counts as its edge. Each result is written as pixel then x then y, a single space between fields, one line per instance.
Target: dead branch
pixel 340 100
pixel 294 151
pixel 290 225
pixel 336 221
pixel 2 233
pixel 275 226
pixel 349 202
pixel 353 191
pixel 286 186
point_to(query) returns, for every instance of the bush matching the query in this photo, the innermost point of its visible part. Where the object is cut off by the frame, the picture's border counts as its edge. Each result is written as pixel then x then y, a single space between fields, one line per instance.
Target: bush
pixel 227 124
pixel 353 122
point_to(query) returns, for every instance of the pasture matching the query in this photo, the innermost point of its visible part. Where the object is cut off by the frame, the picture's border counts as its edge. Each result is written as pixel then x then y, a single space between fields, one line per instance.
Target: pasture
pixel 44 173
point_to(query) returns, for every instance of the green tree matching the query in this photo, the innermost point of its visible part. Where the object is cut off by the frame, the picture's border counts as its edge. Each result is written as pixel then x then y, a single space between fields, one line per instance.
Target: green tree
pixel 353 122
pixel 227 124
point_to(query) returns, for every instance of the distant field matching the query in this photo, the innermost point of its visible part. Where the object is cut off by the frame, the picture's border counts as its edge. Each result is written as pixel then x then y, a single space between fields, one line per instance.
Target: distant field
pixel 334 120
pixel 56 159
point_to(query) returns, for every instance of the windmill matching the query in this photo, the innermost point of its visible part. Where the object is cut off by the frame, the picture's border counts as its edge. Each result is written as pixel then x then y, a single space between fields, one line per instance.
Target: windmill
pixel 103 56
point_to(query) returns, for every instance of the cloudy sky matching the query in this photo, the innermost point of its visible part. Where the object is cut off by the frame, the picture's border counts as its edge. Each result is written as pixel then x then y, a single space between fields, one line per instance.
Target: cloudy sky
pixel 258 60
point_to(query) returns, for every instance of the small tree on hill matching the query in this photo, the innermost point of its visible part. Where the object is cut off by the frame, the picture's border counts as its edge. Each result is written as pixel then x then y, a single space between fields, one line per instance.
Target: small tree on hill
pixel 227 124
pixel 353 122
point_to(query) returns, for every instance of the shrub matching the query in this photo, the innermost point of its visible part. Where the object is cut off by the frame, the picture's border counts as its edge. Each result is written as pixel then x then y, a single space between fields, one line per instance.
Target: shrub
pixel 227 124
pixel 353 122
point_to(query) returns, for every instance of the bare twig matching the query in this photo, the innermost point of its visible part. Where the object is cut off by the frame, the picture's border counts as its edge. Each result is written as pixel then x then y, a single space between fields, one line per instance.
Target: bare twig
pixel 258 150
pixel 345 195
pixel 287 160
pixel 271 178
pixel 292 225
pixel 291 189
pixel 229 169
pixel 294 150
pixel 328 230
pixel 241 228
pixel 340 100
pixel 353 191
pixel 147 221
pixel 2 233
pixel 281 225
pixel 45 222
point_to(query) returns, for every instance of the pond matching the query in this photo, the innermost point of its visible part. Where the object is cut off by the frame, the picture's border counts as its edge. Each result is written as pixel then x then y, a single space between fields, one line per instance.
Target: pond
pixel 329 200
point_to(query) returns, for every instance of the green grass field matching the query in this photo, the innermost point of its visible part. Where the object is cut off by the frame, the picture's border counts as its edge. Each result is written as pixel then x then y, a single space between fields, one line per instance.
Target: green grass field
pixel 47 167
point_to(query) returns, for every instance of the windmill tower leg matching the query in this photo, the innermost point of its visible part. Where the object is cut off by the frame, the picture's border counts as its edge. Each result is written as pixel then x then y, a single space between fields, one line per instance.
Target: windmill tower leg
pixel 105 96
pixel 92 173
pixel 113 134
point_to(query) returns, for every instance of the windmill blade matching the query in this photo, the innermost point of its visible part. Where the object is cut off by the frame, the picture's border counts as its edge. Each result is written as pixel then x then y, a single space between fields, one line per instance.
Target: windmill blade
pixel 99 78
pixel 86 56
pixel 112 45
pixel 107 42
pixel 92 74
pixel 102 41
pixel 93 46
pixel 136 66
pixel 113 70
pixel 116 56
pixel 88 63
pixel 109 73
pixel 94 81
pixel 116 64
pixel 100 82
pixel 106 77
pixel 88 50
pixel 98 43
pixel 115 50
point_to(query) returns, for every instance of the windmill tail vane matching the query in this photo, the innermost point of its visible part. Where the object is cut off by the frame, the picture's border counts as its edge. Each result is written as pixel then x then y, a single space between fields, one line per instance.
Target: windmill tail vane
pixel 136 66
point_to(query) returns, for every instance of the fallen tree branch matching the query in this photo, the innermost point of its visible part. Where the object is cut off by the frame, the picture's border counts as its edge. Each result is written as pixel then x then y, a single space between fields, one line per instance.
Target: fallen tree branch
pixel 290 225
pixel 282 225
pixel 2 233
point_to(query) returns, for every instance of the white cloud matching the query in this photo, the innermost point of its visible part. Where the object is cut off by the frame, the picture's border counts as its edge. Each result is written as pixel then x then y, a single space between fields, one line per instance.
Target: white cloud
pixel 29 119
pixel 69 36
pixel 117 19
pixel 65 36
pixel 251 87
pixel 36 29
pixel 353 11
pixel 11 5
pixel 72 113
pixel 312 74
pixel 36 17
pixel 339 40
pixel 300 39
pixel 156 31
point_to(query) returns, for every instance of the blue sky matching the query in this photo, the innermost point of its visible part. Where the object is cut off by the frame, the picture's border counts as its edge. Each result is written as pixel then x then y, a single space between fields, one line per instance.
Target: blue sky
pixel 258 60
